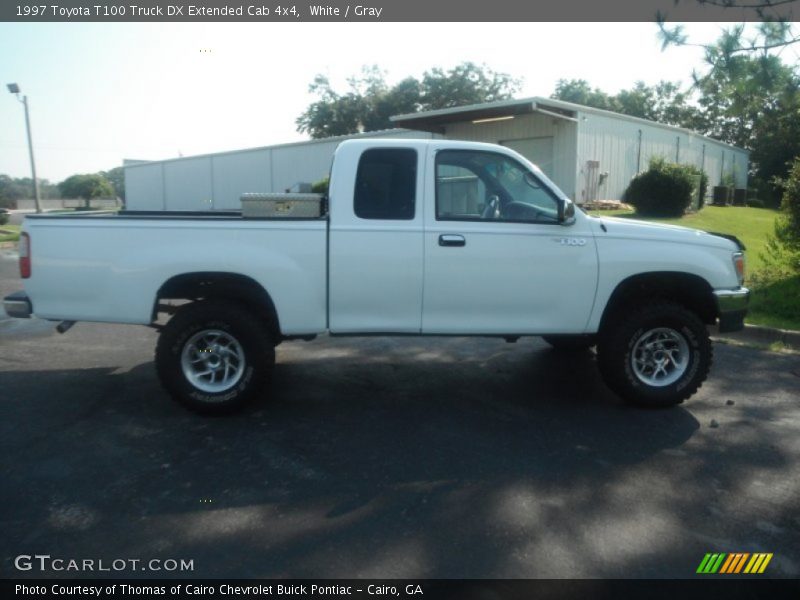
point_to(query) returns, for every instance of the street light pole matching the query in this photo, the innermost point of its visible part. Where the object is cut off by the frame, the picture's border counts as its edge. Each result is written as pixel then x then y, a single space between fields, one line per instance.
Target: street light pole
pixel 14 89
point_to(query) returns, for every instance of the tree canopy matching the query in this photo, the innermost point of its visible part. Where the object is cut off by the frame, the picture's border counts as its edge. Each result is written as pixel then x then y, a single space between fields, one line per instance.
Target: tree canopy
pixel 664 102
pixel 105 184
pixel 749 97
pixel 87 186
pixel 116 177
pixel 12 190
pixel 370 101
pixel 16 188
pixel 771 34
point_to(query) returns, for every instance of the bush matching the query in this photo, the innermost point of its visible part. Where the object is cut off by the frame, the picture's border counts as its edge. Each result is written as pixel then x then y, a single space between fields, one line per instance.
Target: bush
pixel 664 190
pixel 787 225
pixel 3 217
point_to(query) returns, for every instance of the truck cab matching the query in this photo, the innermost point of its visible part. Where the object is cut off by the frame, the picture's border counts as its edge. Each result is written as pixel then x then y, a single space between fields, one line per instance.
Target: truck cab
pixel 449 238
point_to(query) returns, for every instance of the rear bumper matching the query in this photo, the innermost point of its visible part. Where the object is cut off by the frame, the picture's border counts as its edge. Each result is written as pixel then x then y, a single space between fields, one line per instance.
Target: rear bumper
pixel 732 308
pixel 18 305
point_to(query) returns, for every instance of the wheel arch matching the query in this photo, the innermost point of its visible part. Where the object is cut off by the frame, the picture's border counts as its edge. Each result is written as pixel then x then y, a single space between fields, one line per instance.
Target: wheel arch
pixel 687 289
pixel 220 285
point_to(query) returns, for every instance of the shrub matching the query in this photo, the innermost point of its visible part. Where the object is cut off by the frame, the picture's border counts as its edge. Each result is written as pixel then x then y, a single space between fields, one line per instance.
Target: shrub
pixel 664 190
pixel 3 217
pixel 787 225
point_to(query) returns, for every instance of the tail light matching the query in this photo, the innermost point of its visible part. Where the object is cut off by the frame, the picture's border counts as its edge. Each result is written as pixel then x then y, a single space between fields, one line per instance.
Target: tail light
pixel 738 264
pixel 24 255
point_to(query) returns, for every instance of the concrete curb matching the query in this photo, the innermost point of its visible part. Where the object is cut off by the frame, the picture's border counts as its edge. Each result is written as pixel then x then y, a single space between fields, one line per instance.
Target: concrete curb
pixel 760 336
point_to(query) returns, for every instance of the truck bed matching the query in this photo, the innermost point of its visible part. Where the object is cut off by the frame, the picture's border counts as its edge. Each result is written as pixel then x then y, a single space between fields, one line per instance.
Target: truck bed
pixel 109 267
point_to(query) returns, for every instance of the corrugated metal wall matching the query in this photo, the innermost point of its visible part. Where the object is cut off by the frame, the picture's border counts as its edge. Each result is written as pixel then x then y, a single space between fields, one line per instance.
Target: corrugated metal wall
pixel 144 186
pixel 217 181
pixel 233 173
pixel 529 127
pixel 624 148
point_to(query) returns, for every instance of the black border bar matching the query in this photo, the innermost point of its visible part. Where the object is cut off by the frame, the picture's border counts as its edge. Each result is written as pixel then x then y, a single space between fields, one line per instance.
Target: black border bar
pixel 280 11
pixel 728 587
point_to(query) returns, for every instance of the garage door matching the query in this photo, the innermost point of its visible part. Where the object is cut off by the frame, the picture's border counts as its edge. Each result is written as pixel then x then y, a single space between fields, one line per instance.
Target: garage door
pixel 537 150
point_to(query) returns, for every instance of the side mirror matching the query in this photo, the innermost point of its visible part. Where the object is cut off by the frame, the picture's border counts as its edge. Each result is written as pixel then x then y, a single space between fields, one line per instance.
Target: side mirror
pixel 566 212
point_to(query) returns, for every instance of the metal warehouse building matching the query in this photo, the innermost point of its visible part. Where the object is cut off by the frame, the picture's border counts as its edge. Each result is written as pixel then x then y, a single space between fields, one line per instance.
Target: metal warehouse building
pixel 217 181
pixel 589 153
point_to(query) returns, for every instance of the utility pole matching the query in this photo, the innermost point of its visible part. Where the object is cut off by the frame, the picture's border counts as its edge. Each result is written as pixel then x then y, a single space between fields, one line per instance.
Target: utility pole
pixel 14 89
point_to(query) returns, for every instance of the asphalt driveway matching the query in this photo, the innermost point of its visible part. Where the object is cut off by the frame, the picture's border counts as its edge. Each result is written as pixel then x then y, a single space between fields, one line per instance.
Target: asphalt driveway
pixel 385 457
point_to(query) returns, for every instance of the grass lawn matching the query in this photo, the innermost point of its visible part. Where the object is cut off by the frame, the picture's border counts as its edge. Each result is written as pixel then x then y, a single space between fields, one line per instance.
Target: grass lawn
pixel 775 301
pixel 9 233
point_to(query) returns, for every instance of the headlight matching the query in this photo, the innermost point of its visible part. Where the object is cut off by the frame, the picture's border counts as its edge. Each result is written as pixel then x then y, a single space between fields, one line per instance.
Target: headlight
pixel 738 265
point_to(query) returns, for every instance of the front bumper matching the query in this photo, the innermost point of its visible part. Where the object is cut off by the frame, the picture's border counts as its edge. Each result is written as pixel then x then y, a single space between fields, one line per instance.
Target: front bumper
pixel 732 308
pixel 18 305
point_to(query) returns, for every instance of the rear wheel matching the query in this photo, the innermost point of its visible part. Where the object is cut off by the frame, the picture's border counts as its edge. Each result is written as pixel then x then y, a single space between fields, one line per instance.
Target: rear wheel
pixel 214 356
pixel 656 356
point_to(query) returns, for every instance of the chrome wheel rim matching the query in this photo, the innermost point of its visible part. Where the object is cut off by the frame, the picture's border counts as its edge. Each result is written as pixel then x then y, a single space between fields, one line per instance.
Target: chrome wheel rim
pixel 660 357
pixel 212 361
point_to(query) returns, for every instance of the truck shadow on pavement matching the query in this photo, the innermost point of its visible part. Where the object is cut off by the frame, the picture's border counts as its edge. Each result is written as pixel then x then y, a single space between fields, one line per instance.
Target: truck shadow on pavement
pixel 382 458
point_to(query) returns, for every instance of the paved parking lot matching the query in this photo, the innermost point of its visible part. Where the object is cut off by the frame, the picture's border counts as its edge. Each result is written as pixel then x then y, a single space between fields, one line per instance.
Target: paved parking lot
pixel 386 457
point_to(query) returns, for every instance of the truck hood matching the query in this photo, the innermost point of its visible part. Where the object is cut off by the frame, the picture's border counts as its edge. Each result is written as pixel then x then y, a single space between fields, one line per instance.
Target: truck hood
pixel 633 229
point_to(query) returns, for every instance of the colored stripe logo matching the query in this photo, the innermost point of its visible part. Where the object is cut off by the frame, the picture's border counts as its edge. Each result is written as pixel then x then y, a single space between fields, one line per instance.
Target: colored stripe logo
pixel 734 563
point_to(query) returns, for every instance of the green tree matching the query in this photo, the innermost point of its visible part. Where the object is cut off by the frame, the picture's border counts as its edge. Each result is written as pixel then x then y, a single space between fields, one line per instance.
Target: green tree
pixel 116 178
pixel 333 113
pixel 580 92
pixel 750 98
pixel 369 101
pixel 787 226
pixel 665 102
pixel 772 34
pixel 464 84
pixel 11 191
pixel 737 87
pixel 87 186
pixel 16 188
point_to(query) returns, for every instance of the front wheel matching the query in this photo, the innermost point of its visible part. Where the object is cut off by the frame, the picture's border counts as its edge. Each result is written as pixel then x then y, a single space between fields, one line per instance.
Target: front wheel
pixel 214 356
pixel 657 356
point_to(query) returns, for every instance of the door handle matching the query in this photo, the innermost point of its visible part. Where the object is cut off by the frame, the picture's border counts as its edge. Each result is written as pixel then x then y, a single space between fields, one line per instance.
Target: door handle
pixel 452 240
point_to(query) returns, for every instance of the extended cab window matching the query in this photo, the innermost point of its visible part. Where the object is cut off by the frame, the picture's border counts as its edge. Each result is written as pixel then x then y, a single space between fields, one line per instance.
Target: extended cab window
pixel 386 184
pixel 478 185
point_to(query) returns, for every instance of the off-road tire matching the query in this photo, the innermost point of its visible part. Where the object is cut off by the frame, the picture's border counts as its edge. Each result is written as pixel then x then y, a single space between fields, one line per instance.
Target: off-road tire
pixel 235 322
pixel 618 342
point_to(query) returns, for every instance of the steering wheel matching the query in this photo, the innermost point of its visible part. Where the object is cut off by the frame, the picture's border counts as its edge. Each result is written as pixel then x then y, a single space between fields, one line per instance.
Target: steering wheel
pixel 492 210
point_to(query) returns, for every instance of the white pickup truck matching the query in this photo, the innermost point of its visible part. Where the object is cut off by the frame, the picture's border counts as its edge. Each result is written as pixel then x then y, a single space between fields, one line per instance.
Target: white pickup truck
pixel 416 237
